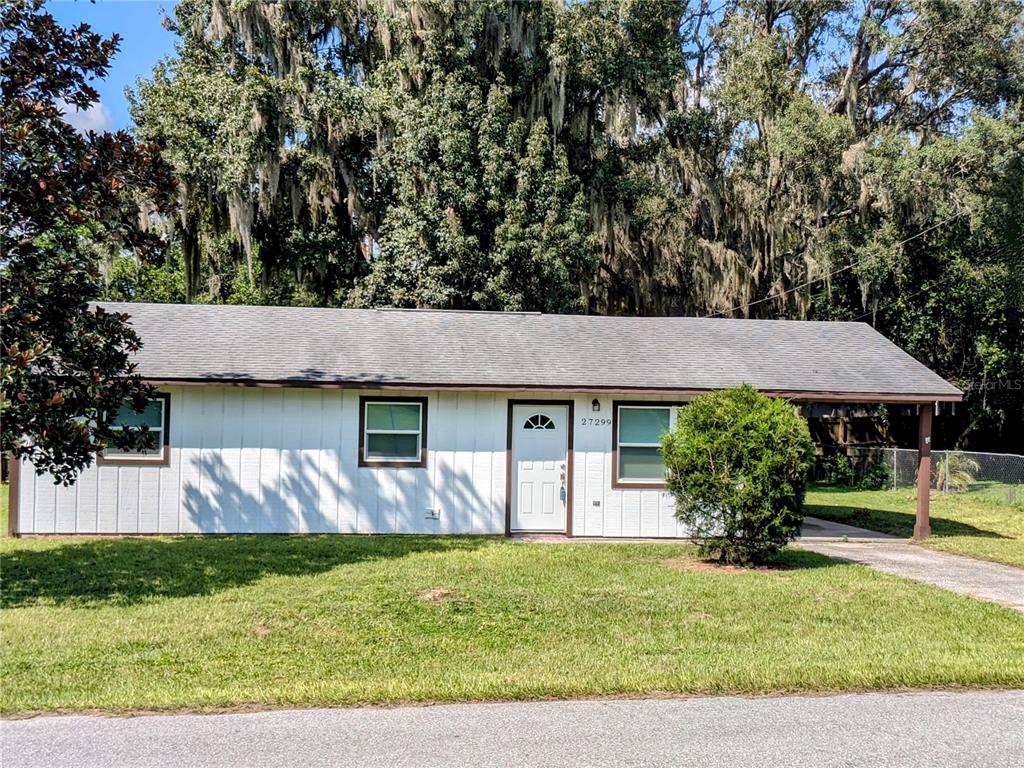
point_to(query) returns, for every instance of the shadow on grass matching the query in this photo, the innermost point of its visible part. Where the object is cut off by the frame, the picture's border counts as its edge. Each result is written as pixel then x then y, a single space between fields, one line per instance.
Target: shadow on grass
pixel 788 560
pixel 791 559
pixel 898 523
pixel 101 572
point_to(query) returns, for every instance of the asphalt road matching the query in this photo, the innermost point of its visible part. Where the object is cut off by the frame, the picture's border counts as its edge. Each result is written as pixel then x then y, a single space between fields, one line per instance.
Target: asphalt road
pixel 906 730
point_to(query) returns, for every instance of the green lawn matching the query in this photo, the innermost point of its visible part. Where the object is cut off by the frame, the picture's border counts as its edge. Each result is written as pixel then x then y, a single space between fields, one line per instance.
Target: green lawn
pixel 983 523
pixel 211 622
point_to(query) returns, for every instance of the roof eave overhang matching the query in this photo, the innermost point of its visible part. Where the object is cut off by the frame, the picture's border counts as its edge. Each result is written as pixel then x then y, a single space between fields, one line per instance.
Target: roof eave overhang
pixel 791 394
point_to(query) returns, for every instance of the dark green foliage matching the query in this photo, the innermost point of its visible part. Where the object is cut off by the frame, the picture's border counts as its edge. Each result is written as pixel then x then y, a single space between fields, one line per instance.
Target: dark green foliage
pixel 838 470
pixel 65 365
pixel 877 477
pixel 544 250
pixel 648 157
pixel 737 464
pixel 129 279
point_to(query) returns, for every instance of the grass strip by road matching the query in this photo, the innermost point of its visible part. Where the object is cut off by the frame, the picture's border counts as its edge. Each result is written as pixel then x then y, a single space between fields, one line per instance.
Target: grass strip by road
pixel 234 621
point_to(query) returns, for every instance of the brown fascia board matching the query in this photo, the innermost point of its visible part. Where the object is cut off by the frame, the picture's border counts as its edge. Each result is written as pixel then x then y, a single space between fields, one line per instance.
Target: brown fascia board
pixel 802 395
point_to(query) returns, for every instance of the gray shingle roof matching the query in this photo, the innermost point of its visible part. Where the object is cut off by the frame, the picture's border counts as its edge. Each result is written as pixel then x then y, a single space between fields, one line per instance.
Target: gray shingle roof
pixel 521 351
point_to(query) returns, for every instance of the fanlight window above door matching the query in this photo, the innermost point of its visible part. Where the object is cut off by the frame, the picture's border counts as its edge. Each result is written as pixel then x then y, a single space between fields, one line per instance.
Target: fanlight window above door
pixel 538 421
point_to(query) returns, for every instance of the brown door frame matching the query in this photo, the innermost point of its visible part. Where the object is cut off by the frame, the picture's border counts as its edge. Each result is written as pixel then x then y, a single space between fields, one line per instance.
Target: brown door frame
pixel 570 408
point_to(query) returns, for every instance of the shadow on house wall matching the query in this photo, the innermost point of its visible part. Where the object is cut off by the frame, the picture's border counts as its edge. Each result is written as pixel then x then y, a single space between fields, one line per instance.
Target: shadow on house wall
pixel 307 499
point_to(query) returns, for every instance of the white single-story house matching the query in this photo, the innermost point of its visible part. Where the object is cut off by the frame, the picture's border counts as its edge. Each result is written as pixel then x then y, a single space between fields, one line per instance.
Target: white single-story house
pixel 300 420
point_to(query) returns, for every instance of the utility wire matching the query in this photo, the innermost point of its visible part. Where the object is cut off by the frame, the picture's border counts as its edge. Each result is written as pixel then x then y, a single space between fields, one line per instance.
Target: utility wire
pixel 832 273
pixel 1005 249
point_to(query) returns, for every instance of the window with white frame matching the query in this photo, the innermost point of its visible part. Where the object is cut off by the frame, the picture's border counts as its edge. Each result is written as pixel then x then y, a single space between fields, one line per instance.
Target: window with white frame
pixel 637 436
pixel 393 431
pixel 153 419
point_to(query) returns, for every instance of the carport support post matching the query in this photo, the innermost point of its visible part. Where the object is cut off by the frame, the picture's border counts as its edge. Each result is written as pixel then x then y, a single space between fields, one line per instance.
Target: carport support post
pixel 922 525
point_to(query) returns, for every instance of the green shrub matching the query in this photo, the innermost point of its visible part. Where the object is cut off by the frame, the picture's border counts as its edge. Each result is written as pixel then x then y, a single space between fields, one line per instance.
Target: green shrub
pixel 737 463
pixel 876 477
pixel 839 470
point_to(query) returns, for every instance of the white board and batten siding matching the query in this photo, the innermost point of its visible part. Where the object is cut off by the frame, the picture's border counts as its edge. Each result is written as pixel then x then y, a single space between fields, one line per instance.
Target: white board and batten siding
pixel 599 509
pixel 284 460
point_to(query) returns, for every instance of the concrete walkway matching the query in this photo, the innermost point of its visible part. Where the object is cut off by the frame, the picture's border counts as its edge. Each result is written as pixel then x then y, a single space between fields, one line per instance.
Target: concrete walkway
pixel 980 728
pixel 996 583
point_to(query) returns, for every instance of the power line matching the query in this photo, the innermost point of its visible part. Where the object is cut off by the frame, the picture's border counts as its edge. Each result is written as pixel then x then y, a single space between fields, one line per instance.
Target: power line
pixel 832 273
pixel 1004 249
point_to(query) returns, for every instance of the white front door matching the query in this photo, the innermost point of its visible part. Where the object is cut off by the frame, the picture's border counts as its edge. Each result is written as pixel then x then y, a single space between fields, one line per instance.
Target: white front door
pixel 539 467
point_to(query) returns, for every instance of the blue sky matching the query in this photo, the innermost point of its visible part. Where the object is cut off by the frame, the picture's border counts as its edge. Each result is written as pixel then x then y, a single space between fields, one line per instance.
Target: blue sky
pixel 143 42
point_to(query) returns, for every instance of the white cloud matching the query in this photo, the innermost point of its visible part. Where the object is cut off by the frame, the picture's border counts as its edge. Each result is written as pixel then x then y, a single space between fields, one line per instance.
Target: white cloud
pixel 96 118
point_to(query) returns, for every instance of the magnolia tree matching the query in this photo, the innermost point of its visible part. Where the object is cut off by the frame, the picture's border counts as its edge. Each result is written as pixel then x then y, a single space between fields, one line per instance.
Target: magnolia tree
pixel 64 197
pixel 737 464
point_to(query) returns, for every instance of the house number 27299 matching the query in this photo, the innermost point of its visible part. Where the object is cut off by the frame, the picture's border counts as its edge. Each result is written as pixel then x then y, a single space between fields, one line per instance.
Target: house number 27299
pixel 589 421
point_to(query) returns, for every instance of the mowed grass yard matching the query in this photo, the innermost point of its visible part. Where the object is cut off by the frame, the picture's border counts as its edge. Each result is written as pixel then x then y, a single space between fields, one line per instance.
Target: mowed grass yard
pixel 987 522
pixel 237 621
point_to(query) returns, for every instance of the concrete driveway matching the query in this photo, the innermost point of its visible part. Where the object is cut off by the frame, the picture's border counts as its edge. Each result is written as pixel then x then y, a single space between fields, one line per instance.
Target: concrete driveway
pixel 906 730
pixel 817 529
pixel 994 582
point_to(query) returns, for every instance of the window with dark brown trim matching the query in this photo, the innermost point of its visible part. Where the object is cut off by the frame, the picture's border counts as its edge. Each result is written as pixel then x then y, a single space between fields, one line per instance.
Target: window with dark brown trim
pixel 637 427
pixel 392 431
pixel 157 419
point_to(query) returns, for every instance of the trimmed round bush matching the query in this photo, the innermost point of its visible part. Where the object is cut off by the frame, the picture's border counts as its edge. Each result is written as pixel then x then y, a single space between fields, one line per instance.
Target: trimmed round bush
pixel 737 463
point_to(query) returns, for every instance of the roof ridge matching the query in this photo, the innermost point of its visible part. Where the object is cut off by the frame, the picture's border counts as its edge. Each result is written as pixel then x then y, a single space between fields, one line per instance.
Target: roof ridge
pixel 456 311
pixel 489 312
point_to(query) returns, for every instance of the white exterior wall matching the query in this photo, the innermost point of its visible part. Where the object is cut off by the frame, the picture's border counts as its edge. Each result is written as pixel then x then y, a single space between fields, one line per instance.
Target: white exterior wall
pixel 629 512
pixel 284 460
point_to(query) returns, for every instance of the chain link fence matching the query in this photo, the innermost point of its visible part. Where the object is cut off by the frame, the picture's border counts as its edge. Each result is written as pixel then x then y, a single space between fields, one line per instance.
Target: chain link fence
pixel 1000 475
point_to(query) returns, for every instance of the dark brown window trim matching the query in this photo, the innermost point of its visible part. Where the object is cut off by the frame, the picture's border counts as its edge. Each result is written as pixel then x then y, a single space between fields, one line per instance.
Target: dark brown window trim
pixel 509 429
pixel 165 454
pixel 625 484
pixel 364 462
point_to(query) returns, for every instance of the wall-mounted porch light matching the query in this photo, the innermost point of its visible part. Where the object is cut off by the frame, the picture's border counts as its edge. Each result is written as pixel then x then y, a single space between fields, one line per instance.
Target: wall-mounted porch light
pixel 595 405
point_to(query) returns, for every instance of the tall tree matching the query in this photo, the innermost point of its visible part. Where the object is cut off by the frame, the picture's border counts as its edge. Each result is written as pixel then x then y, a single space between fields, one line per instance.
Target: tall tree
pixel 762 158
pixel 66 366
